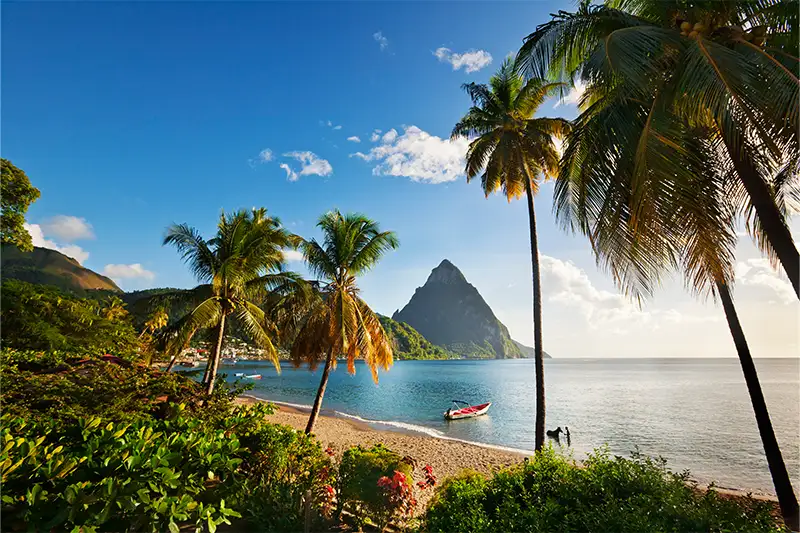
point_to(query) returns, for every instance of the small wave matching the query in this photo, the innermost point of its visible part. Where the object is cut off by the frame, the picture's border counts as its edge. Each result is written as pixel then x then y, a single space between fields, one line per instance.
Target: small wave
pixel 400 426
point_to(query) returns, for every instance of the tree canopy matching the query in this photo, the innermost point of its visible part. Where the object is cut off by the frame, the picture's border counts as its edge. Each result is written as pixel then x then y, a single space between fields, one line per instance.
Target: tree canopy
pixel 16 195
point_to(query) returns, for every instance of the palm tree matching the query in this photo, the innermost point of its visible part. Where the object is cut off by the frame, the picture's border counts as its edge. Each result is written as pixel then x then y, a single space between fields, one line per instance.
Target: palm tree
pixel 513 150
pixel 157 320
pixel 338 322
pixel 237 269
pixel 113 308
pixel 727 67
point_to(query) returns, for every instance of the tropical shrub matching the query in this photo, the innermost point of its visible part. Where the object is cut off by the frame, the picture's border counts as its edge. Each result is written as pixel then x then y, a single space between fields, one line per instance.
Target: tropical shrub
pixel 147 476
pixel 608 494
pixel 40 317
pixel 66 386
pixel 375 483
pixel 283 465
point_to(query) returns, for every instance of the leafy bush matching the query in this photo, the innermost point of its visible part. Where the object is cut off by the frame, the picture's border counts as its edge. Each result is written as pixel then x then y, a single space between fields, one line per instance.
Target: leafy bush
pixel 40 317
pixel 283 465
pixel 146 476
pixel 65 386
pixel 609 494
pixel 360 472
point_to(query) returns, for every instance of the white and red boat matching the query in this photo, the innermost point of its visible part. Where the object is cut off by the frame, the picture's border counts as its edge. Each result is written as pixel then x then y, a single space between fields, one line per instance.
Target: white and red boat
pixel 470 411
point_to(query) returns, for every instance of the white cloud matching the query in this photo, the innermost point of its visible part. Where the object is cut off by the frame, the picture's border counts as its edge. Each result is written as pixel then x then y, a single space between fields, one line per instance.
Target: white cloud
pixel 71 250
pixel 759 273
pixel 354 139
pixel 330 125
pixel 132 271
pixel 310 165
pixel 418 155
pixel 293 255
pixel 381 40
pixel 567 284
pixel 291 175
pixel 266 155
pixel 471 61
pixel 67 228
pixel 574 95
pixel 338 127
pixel 376 136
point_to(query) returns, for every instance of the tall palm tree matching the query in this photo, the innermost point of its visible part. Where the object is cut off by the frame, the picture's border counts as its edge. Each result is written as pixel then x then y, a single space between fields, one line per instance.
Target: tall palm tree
pixel 727 67
pixel 237 269
pixel 511 151
pixel 113 308
pixel 338 322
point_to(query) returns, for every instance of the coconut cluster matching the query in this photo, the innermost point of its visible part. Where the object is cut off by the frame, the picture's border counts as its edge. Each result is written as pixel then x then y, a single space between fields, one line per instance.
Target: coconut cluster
pixel 755 35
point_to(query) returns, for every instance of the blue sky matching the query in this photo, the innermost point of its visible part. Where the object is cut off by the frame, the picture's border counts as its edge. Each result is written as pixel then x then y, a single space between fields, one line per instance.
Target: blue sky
pixel 132 116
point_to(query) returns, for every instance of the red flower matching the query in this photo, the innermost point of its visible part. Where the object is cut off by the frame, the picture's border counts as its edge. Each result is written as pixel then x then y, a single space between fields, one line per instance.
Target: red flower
pixel 329 451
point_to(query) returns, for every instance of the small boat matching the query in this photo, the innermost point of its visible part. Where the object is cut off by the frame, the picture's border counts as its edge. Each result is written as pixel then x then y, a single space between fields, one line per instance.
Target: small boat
pixel 239 374
pixel 191 364
pixel 470 411
pixel 254 376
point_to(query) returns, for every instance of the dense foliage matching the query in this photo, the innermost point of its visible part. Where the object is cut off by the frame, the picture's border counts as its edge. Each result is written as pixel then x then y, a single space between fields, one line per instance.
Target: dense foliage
pixel 39 317
pixel 407 343
pixel 361 472
pixel 16 195
pixel 608 494
pixel 109 445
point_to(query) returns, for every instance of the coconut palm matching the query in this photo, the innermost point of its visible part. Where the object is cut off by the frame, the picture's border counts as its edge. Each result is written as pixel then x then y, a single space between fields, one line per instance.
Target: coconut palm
pixel 512 151
pixel 726 67
pixel 337 322
pixel 237 269
pixel 113 308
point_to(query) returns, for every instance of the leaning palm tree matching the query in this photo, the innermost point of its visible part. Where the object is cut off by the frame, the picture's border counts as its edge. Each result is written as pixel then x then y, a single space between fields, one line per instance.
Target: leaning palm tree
pixel 728 67
pixel 337 322
pixel 512 151
pixel 667 113
pixel 237 269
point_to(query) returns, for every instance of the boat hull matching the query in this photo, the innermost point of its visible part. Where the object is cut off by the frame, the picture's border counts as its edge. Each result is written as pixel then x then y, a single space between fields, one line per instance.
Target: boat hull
pixel 467 412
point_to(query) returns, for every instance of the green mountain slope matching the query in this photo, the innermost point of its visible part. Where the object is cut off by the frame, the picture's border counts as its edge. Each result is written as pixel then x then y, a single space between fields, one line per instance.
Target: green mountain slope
pixel 451 313
pixel 407 343
pixel 49 267
pixel 527 351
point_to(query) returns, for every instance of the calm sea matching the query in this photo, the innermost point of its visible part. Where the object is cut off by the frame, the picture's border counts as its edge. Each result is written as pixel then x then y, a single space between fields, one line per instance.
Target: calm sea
pixel 695 413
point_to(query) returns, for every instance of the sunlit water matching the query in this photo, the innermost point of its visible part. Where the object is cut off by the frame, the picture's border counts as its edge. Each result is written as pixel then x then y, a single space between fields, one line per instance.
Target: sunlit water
pixel 695 413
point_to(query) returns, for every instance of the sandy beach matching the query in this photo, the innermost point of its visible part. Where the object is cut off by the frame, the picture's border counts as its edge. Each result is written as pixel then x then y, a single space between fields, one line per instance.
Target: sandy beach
pixel 447 457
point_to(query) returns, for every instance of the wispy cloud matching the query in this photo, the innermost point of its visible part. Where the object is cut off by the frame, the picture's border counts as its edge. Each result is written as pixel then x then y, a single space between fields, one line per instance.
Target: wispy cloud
pixel 310 164
pixel 382 41
pixel 759 273
pixel 354 139
pixel 67 228
pixel 417 155
pixel 376 135
pixel 132 271
pixel 470 61
pixel 264 156
pixel 293 256
pixel 330 124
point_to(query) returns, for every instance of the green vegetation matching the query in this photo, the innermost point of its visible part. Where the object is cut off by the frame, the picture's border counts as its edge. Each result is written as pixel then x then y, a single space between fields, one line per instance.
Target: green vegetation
pixel 49 267
pixel 512 150
pixel 359 473
pixel 407 343
pixel 606 495
pixel 337 321
pixel 16 196
pixel 39 317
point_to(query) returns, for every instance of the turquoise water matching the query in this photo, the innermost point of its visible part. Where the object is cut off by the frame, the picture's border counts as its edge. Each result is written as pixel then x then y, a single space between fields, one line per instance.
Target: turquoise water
pixel 695 413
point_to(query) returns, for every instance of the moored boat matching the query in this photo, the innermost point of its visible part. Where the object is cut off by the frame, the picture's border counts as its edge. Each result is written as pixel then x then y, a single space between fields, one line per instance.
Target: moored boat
pixel 254 376
pixel 470 411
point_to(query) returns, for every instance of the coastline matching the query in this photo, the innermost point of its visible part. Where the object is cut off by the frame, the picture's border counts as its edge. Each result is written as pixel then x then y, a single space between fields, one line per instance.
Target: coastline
pixel 447 456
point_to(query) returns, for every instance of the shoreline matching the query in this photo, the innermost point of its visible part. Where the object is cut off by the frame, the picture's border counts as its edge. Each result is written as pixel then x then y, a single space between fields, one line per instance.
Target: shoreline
pixel 447 456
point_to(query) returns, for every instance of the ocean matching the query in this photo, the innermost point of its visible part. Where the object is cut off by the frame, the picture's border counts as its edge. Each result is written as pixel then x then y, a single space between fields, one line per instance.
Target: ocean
pixel 695 413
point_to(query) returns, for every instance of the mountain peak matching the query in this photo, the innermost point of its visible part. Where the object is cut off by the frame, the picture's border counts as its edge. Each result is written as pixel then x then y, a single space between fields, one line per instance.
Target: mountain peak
pixel 446 273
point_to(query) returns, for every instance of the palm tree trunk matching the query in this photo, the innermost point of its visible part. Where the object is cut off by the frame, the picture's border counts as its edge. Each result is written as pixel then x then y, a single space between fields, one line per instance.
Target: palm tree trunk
pixel 538 352
pixel 777 468
pixel 320 392
pixel 172 362
pixel 217 355
pixel 772 221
